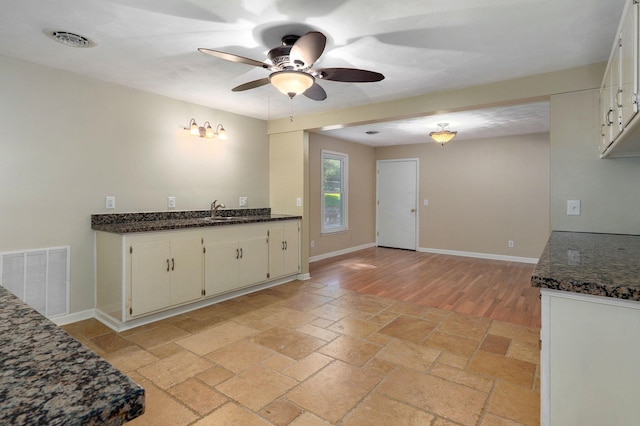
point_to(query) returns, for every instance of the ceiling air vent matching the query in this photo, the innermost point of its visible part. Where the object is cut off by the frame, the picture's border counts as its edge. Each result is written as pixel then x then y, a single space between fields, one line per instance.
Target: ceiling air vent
pixel 70 39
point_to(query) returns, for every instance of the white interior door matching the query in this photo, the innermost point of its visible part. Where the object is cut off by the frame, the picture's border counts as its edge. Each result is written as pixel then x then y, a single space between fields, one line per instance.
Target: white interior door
pixel 397 204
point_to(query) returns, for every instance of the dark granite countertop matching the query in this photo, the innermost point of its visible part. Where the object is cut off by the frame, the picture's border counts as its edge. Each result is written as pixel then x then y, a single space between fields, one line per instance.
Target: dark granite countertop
pixel 127 223
pixel 588 263
pixel 49 378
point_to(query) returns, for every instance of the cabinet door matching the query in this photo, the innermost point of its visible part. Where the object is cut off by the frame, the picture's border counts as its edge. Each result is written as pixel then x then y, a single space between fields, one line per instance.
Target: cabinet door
pixel 291 252
pixel 186 270
pixel 221 268
pixel 276 247
pixel 628 65
pixel 284 250
pixel 253 264
pixel 606 111
pixel 616 93
pixel 150 278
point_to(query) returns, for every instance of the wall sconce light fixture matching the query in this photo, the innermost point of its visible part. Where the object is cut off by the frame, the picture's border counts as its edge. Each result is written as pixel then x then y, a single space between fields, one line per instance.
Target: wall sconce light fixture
pixel 206 131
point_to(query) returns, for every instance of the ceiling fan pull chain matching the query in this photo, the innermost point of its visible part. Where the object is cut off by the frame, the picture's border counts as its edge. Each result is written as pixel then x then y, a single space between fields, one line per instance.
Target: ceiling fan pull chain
pixel 291 105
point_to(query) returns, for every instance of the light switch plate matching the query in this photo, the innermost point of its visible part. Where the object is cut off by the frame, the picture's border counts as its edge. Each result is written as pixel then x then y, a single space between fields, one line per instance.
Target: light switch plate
pixel 573 207
pixel 110 202
pixel 243 201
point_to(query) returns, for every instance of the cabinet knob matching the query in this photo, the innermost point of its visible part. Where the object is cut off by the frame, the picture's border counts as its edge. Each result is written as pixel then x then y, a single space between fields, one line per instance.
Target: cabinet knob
pixel 167 265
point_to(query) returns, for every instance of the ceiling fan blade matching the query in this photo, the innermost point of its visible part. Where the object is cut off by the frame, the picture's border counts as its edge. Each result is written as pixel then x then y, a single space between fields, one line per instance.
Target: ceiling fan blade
pixel 316 92
pixel 234 58
pixel 349 75
pixel 308 48
pixel 251 85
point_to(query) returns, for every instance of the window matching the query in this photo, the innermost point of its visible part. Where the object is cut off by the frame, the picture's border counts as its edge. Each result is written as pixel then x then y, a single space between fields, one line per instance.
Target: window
pixel 334 191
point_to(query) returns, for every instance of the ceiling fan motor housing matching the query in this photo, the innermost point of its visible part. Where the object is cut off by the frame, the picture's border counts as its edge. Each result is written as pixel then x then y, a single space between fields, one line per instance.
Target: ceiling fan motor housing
pixel 280 56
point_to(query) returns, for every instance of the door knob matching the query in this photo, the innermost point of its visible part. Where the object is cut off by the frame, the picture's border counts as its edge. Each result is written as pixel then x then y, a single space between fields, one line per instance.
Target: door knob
pixel 413 210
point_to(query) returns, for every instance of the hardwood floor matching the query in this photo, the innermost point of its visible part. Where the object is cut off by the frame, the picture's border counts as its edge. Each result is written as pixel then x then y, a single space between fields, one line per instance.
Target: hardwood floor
pixel 484 288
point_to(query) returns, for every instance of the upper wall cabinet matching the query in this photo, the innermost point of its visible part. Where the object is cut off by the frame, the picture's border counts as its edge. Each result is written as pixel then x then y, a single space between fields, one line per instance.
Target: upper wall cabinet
pixel 619 119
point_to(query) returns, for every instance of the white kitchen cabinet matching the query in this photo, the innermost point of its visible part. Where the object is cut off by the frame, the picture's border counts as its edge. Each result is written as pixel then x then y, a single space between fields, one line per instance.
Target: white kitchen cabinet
pixel 164 272
pixel 284 248
pixel 628 63
pixel 146 276
pixel 138 274
pixel 589 374
pixel 620 133
pixel 235 257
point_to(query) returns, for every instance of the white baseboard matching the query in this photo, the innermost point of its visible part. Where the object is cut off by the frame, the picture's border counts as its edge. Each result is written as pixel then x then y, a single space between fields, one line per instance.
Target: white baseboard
pixel 479 255
pixel 118 326
pixel 74 317
pixel 340 252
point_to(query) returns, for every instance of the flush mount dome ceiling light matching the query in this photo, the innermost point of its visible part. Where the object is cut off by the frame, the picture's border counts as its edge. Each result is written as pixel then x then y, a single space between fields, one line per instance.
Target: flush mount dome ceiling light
pixel 70 39
pixel 291 67
pixel 443 135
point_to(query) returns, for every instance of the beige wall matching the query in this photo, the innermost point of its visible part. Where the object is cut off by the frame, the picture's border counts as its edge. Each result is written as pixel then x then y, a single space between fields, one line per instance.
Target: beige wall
pixel 573 151
pixel 482 193
pixel 66 142
pixel 361 203
pixel 609 189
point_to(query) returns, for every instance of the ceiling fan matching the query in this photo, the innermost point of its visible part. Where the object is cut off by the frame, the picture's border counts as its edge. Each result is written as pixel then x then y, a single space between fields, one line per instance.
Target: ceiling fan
pixel 291 67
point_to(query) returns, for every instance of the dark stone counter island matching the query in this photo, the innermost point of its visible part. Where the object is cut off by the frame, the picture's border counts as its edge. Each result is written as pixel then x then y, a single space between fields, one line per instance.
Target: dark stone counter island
pixel 49 378
pixel 589 263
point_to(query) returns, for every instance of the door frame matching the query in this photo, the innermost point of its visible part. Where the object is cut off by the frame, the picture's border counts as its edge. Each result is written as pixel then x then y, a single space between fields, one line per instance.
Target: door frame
pixel 416 161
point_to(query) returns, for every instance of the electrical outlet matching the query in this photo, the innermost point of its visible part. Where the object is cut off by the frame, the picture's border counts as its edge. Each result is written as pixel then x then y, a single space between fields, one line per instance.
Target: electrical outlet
pixel 313 243
pixel 425 202
pixel 573 207
pixel 243 201
pixel 110 202
pixel 171 202
pixel 510 243
pixel 299 202
pixel 573 257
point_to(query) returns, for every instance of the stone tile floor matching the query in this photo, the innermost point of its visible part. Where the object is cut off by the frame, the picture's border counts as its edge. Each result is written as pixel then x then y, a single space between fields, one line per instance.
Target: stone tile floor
pixel 304 353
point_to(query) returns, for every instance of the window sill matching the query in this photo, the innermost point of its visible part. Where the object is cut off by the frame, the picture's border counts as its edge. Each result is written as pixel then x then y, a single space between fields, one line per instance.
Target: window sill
pixel 337 231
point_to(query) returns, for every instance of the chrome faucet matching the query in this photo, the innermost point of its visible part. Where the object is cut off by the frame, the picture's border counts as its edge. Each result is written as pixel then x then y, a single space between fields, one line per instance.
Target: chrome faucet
pixel 215 207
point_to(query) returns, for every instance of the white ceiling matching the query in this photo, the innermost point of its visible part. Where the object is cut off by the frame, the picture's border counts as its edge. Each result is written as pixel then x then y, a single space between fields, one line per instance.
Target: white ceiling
pixel 421 46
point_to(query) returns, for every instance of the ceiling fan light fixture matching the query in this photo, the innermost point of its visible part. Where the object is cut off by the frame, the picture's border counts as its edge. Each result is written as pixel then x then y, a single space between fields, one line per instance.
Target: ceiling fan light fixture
pixel 291 83
pixel 443 135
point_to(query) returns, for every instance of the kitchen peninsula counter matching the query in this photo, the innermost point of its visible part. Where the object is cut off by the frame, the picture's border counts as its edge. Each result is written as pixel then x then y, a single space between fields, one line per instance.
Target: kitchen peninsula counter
pixel 48 377
pixel 590 335
pixel 128 223
pixel 589 263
